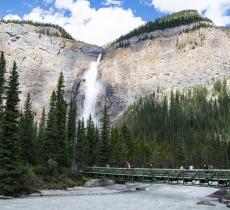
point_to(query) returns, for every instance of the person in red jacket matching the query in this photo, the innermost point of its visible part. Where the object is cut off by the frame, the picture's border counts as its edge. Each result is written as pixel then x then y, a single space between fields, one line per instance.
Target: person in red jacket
pixel 127 165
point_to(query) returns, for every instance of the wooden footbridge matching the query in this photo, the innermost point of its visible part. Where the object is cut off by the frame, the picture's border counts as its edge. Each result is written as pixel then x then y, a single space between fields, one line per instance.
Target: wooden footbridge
pixel 214 178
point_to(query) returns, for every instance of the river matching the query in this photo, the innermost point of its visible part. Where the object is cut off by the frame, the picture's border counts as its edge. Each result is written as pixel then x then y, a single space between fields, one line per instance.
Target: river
pixel 156 197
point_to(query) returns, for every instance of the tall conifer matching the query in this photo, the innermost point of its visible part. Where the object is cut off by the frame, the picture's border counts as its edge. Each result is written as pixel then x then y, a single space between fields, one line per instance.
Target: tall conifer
pixel 71 131
pixel 62 147
pixel 9 148
pixel 27 133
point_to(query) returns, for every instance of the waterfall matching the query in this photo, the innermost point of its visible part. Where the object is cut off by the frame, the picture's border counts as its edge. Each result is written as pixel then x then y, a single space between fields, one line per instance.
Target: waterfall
pixel 92 90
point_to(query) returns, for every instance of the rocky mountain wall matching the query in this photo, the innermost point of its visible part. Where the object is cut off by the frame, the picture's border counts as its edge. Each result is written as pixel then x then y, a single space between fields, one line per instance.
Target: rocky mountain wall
pixel 41 58
pixel 170 59
pixel 174 60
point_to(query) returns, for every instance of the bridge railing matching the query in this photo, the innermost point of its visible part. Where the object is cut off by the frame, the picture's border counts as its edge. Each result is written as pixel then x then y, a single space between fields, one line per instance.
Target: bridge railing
pixel 195 174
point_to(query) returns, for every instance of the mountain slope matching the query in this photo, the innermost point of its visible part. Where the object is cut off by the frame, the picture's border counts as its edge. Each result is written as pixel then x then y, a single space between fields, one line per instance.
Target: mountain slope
pixel 41 58
pixel 172 59
pixel 182 55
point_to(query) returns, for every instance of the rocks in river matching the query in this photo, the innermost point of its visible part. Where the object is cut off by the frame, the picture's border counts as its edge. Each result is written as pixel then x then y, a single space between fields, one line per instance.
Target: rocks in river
pixel 5 197
pixel 205 202
pixel 221 194
pixel 141 188
pixel 99 183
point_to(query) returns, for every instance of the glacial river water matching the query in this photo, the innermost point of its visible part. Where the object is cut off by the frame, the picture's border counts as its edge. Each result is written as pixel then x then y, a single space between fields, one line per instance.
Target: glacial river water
pixel 156 197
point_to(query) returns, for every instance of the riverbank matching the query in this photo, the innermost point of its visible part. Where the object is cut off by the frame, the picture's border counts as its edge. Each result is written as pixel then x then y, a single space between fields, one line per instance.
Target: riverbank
pixel 98 190
pixel 155 197
pixel 80 186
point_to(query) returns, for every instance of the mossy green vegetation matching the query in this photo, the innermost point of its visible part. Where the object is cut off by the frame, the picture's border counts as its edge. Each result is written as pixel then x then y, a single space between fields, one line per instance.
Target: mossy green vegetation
pixel 185 17
pixel 61 31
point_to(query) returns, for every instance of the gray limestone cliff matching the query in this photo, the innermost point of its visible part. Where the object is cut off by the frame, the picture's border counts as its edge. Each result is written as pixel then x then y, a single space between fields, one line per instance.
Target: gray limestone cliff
pixel 171 58
pixel 41 58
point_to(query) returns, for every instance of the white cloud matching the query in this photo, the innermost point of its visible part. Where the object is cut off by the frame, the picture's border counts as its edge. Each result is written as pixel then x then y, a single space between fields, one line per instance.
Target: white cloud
pixel 64 4
pixel 213 9
pixel 48 1
pixel 49 16
pixel 113 2
pixel 85 23
pixel 12 17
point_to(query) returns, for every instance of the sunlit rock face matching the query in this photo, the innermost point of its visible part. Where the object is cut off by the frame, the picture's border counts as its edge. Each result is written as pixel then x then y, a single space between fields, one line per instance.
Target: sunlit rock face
pixel 41 58
pixel 171 59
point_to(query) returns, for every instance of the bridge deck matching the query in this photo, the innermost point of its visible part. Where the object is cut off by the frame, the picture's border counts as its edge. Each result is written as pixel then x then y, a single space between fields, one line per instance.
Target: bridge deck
pixel 215 178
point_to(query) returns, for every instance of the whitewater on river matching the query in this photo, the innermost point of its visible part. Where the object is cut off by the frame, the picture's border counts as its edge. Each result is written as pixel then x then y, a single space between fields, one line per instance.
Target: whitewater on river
pixel 156 196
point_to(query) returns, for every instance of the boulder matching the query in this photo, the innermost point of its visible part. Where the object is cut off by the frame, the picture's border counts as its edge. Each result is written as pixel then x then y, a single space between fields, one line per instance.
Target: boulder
pixel 221 194
pixel 99 183
pixel 141 188
pixel 205 202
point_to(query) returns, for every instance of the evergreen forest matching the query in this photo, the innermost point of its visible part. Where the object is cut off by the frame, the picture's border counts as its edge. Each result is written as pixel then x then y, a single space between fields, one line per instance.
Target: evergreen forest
pixel 61 31
pixel 181 18
pixel 161 130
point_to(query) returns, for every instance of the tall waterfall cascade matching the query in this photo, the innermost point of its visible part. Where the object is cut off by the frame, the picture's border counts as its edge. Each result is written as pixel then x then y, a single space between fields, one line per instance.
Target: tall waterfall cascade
pixel 93 88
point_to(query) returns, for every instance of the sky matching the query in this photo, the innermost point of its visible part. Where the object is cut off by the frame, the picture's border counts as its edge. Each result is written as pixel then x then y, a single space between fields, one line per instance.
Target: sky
pixel 102 21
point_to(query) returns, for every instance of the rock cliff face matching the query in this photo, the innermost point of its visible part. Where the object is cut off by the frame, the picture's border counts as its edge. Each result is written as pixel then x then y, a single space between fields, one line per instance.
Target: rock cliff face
pixel 170 59
pixel 41 58
pixel 173 59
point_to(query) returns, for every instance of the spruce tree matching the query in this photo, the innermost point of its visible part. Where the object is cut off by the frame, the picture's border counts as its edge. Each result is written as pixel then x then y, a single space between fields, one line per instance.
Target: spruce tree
pixel 41 138
pixel 10 162
pixel 49 145
pixel 119 150
pixel 82 144
pixel 62 147
pixel 104 150
pixel 71 131
pixel 92 141
pixel 2 80
pixel 27 133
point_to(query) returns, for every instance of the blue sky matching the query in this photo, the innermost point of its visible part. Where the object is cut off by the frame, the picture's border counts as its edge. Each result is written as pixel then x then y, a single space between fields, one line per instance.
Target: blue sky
pixel 101 21
pixel 140 8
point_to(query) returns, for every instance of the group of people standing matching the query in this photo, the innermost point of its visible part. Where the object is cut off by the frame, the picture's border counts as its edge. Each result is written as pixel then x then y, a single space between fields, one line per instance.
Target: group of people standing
pixel 186 168
pixel 206 167
pixel 190 168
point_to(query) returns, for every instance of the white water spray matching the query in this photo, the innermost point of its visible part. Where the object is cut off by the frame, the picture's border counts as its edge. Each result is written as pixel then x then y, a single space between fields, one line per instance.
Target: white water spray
pixel 92 90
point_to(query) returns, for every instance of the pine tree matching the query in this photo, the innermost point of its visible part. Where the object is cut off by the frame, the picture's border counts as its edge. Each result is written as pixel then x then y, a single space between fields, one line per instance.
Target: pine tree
pixel 2 80
pixel 27 133
pixel 119 150
pixel 62 147
pixel 71 131
pixel 97 147
pixel 10 162
pixel 82 144
pixel 92 141
pixel 49 144
pixel 41 138
pixel 104 150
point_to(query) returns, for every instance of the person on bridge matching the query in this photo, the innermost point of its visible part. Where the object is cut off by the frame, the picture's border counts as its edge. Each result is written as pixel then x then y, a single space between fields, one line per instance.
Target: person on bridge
pixel 210 167
pixel 205 167
pixel 127 165
pixel 191 168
